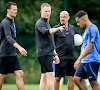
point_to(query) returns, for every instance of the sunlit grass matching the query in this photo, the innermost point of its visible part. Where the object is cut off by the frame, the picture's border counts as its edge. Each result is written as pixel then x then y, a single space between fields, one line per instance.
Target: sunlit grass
pixel 32 87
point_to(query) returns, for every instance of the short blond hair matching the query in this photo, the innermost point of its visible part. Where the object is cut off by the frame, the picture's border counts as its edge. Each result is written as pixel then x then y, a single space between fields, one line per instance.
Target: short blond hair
pixel 45 5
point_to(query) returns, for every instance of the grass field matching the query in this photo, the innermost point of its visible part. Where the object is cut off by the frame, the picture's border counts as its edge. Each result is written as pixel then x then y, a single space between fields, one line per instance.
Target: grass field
pixel 32 87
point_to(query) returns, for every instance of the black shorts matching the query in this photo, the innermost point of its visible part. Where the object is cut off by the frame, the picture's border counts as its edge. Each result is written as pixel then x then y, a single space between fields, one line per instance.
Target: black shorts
pixel 65 67
pixel 9 64
pixel 88 70
pixel 46 63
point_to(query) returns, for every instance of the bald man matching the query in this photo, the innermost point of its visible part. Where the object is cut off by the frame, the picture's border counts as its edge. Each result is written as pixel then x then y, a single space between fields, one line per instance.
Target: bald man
pixel 64 42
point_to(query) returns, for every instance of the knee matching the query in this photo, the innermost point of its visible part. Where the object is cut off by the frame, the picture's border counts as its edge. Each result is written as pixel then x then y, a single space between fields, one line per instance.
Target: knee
pixel 76 80
pixel 57 79
pixel 71 78
pixel 2 76
pixel 43 76
pixel 50 75
pixel 94 83
pixel 19 74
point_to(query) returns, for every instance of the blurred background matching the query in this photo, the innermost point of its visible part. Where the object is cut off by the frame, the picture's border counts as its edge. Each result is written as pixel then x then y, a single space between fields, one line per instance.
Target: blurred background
pixel 29 13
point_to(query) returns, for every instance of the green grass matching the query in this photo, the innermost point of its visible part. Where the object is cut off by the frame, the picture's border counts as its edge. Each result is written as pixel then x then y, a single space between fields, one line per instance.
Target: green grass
pixel 27 87
pixel 32 87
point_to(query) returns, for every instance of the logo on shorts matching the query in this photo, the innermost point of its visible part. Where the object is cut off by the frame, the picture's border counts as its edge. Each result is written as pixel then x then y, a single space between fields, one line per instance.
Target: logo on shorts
pixel 90 77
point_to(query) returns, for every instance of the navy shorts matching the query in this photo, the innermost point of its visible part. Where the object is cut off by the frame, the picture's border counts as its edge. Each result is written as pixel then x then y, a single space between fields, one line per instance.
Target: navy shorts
pixel 46 63
pixel 65 67
pixel 9 64
pixel 88 70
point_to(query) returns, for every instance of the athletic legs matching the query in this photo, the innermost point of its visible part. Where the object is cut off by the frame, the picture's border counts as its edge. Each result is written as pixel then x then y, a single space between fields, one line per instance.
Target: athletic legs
pixel 47 79
pixel 79 83
pixel 19 79
pixel 57 83
pixel 2 77
pixel 70 83
pixel 43 82
pixel 50 80
pixel 94 85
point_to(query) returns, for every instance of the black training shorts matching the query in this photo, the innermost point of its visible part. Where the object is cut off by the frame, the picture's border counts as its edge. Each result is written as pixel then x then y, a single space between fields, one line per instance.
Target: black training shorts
pixel 46 63
pixel 9 64
pixel 65 67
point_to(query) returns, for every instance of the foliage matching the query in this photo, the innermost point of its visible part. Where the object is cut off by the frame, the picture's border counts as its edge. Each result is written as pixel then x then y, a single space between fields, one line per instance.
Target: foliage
pixel 29 63
pixel 29 13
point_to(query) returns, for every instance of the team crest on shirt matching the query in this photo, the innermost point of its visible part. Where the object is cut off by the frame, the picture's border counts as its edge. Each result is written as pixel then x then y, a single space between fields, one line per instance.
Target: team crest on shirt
pixel 67 32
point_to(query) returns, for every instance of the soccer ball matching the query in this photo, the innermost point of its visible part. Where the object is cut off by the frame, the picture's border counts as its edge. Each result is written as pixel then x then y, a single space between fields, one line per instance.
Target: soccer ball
pixel 77 40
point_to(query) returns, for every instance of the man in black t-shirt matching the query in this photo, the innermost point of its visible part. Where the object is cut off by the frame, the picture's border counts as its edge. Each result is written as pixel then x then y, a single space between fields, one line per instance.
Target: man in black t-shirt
pixel 9 62
pixel 64 42
pixel 45 47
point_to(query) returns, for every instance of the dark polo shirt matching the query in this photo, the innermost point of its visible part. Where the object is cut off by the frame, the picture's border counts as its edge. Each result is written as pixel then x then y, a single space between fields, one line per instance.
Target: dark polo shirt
pixel 45 42
pixel 64 42
pixel 7 38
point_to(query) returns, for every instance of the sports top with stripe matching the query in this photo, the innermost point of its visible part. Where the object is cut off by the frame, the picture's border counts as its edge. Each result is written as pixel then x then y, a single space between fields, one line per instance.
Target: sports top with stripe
pixel 7 38
pixel 91 34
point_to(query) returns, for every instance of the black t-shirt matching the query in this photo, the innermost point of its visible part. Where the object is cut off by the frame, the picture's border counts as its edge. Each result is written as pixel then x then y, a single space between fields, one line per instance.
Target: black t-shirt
pixel 7 38
pixel 45 42
pixel 64 42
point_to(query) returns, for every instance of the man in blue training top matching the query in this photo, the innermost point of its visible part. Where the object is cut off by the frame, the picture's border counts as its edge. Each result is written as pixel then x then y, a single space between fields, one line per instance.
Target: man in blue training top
pixel 90 58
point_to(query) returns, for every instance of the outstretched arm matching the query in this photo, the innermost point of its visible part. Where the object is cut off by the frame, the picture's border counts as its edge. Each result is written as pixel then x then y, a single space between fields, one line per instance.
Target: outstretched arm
pixel 53 30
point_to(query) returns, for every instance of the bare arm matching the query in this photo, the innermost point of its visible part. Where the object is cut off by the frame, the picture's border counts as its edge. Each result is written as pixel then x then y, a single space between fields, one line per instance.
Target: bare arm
pixel 21 49
pixel 86 51
pixel 56 58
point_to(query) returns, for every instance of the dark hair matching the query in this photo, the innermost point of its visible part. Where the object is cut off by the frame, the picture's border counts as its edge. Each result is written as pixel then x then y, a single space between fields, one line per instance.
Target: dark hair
pixel 81 13
pixel 8 5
